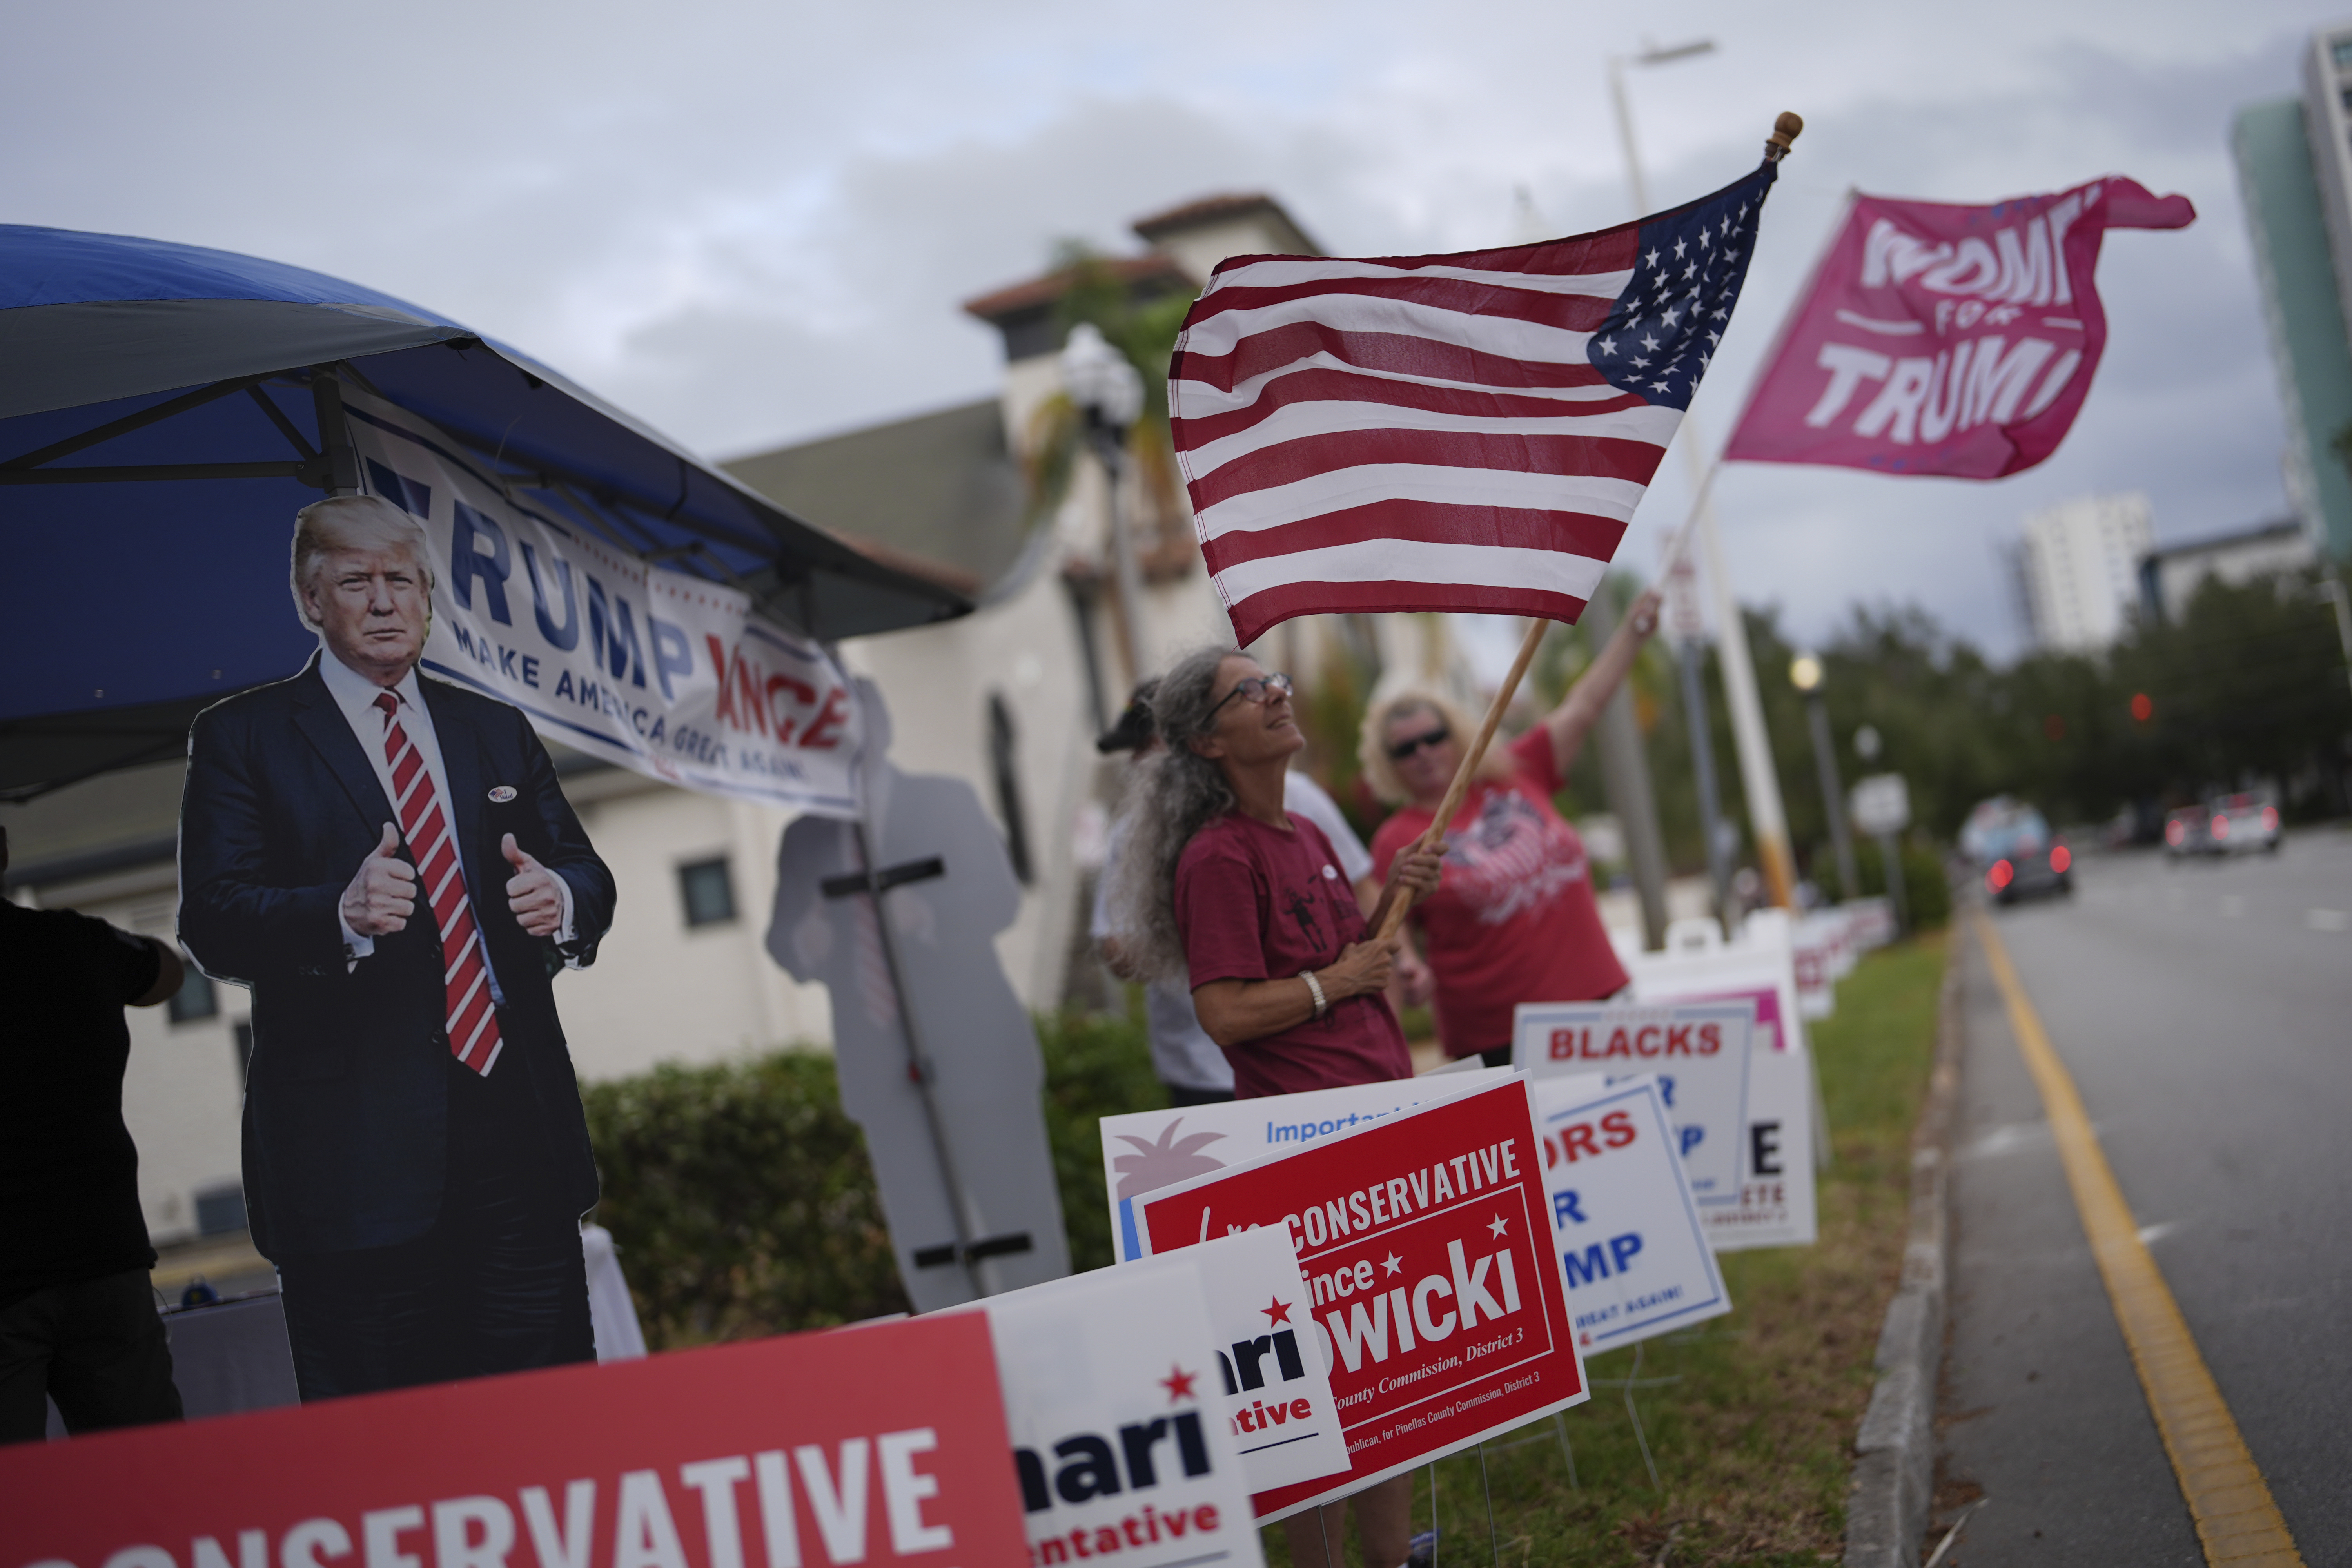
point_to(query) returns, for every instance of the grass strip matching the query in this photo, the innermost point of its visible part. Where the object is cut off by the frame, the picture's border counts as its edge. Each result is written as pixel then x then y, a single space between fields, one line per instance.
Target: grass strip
pixel 1754 1442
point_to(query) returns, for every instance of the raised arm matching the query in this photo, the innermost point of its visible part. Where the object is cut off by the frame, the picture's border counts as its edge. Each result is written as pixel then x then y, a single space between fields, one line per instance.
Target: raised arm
pixel 1580 709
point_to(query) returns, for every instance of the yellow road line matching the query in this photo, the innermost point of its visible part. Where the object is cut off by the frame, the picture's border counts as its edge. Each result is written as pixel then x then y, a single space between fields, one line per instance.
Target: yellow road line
pixel 2237 1521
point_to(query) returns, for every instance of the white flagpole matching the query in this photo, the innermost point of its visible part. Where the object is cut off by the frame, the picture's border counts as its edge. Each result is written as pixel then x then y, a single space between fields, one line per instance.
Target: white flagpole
pixel 1767 822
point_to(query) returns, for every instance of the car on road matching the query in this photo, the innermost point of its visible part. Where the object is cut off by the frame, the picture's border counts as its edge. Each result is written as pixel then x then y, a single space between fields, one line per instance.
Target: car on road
pixel 2242 824
pixel 2020 856
pixel 2186 832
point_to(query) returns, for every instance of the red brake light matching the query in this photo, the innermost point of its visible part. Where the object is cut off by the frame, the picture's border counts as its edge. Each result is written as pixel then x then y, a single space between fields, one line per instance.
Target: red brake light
pixel 2270 819
pixel 2060 859
pixel 1999 877
pixel 2174 833
pixel 2220 827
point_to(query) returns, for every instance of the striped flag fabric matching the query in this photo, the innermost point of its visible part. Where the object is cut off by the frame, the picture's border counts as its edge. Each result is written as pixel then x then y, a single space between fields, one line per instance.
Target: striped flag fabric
pixel 1463 432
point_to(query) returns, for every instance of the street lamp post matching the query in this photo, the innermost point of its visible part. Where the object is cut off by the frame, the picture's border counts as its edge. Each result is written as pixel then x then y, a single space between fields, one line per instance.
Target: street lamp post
pixel 1108 392
pixel 1685 623
pixel 1888 823
pixel 1805 675
pixel 1624 770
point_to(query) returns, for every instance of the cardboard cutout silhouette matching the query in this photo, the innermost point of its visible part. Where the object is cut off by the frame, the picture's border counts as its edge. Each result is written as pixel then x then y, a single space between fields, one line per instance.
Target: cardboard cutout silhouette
pixel 947 888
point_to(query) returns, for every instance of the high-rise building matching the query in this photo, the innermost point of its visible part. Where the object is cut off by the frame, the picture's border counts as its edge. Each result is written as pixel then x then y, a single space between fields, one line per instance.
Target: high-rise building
pixel 2294 168
pixel 2079 565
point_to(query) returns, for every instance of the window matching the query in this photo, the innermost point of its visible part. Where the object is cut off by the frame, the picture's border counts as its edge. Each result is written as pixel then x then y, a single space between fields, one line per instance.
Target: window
pixel 1004 757
pixel 196 998
pixel 2342 49
pixel 707 889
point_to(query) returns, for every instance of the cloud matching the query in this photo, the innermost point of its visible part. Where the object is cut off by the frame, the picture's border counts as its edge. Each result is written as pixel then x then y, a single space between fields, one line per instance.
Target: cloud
pixel 751 223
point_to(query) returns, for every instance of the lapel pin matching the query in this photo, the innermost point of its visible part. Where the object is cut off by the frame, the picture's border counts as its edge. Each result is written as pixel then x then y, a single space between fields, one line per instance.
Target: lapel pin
pixel 503 793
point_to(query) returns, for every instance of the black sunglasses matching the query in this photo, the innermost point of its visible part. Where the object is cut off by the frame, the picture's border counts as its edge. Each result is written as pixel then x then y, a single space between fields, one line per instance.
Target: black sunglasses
pixel 1404 749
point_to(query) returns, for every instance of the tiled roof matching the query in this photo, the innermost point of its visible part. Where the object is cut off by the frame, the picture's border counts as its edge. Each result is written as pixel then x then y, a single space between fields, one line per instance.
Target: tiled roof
pixel 1207 209
pixel 1036 291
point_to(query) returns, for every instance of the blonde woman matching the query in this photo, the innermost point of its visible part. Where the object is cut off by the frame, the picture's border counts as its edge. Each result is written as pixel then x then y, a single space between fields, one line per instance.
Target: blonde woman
pixel 1514 919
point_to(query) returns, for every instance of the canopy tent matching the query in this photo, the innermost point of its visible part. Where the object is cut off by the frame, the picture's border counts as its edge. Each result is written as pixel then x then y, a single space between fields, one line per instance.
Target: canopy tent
pixel 160 408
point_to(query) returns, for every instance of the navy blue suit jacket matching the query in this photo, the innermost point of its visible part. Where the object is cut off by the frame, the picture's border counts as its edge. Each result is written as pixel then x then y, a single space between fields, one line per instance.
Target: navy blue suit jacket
pixel 346 1105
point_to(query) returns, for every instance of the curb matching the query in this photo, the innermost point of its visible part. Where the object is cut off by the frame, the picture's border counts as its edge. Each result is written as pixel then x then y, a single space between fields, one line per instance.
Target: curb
pixel 1895 1469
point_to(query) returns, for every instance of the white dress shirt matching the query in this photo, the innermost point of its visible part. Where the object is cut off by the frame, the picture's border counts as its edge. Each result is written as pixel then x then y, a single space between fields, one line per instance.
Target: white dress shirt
pixel 355 694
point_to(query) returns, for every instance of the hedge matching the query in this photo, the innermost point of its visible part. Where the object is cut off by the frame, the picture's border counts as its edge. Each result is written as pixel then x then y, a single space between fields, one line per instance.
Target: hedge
pixel 1926 887
pixel 743 1204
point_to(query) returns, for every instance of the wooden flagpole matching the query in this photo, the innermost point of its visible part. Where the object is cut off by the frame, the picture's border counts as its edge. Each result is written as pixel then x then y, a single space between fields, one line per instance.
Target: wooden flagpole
pixel 1785 130
pixel 1402 902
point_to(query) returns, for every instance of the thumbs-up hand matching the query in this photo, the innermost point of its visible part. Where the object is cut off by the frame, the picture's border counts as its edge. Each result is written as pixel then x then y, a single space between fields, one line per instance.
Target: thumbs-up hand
pixel 533 893
pixel 383 892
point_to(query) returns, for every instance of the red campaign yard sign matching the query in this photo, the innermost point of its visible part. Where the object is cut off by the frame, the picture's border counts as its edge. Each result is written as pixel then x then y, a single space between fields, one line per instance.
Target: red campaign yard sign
pixel 1434 1291
pixel 877 1446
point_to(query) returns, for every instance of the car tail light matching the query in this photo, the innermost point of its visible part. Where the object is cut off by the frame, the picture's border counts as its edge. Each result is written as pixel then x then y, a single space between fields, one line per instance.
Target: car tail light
pixel 2270 819
pixel 1999 877
pixel 2174 833
pixel 2060 859
pixel 2220 827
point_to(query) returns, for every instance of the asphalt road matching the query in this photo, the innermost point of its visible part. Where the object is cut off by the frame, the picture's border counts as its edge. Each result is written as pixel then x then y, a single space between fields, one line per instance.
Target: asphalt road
pixel 2205 1012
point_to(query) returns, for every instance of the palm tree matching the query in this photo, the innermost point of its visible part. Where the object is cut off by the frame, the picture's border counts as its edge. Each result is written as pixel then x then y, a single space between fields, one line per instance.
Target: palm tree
pixel 1144 329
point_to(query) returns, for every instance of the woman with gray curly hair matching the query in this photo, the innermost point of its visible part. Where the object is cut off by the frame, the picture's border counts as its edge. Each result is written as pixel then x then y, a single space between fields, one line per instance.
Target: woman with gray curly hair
pixel 1224 890
pixel 1222 887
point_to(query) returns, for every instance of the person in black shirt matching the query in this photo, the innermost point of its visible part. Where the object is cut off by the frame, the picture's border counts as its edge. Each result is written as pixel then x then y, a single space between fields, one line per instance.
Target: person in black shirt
pixel 78 1321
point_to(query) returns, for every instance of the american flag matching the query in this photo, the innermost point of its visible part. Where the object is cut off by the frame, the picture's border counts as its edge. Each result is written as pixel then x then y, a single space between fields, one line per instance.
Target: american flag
pixel 1463 432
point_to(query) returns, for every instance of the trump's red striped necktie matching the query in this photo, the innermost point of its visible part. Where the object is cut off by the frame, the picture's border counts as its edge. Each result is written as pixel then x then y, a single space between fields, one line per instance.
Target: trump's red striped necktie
pixel 472 1025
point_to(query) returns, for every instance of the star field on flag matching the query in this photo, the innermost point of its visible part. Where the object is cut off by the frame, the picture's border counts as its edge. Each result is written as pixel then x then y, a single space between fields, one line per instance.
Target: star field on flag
pixel 1461 432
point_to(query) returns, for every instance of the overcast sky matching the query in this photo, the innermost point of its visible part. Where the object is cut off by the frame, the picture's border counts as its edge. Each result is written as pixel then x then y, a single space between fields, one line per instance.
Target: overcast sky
pixel 750 224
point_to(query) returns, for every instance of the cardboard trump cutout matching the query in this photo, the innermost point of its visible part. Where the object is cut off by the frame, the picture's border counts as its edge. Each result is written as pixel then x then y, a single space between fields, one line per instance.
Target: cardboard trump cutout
pixel 950 1099
pixel 387 861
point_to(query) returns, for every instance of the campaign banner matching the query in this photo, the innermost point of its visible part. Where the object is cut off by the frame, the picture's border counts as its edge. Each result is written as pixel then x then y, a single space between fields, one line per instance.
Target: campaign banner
pixel 1119 1433
pixel 1437 1298
pixel 1147 1150
pixel 1698 1050
pixel 671 675
pixel 879 1446
pixel 1634 1251
pixel 1940 339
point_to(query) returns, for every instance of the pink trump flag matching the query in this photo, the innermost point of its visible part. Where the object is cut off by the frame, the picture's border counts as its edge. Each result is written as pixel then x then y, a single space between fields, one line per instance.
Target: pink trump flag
pixel 1945 339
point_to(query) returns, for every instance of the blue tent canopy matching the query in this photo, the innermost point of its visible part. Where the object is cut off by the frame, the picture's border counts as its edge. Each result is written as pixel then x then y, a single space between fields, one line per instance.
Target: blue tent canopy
pixel 160 416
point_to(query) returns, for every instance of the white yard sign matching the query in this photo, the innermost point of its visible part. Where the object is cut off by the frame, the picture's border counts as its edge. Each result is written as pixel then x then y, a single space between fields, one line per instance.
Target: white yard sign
pixel 1634 1248
pixel 1280 1413
pixel 1119 1427
pixel 1698 1050
pixel 1775 1206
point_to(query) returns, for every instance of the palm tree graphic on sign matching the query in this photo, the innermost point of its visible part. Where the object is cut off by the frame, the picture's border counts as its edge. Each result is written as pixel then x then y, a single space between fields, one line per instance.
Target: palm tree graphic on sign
pixel 1170 1159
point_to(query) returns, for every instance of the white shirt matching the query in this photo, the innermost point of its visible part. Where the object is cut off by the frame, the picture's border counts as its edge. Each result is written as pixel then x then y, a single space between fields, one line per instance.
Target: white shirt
pixel 1304 796
pixel 1182 1052
pixel 355 694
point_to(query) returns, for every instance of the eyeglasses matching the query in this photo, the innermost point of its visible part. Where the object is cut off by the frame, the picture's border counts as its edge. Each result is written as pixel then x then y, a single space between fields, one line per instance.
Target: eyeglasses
pixel 1404 749
pixel 1258 688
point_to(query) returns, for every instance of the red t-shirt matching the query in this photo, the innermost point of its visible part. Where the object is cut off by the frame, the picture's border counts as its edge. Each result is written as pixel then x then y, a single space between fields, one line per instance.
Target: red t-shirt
pixel 1514 919
pixel 1256 903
